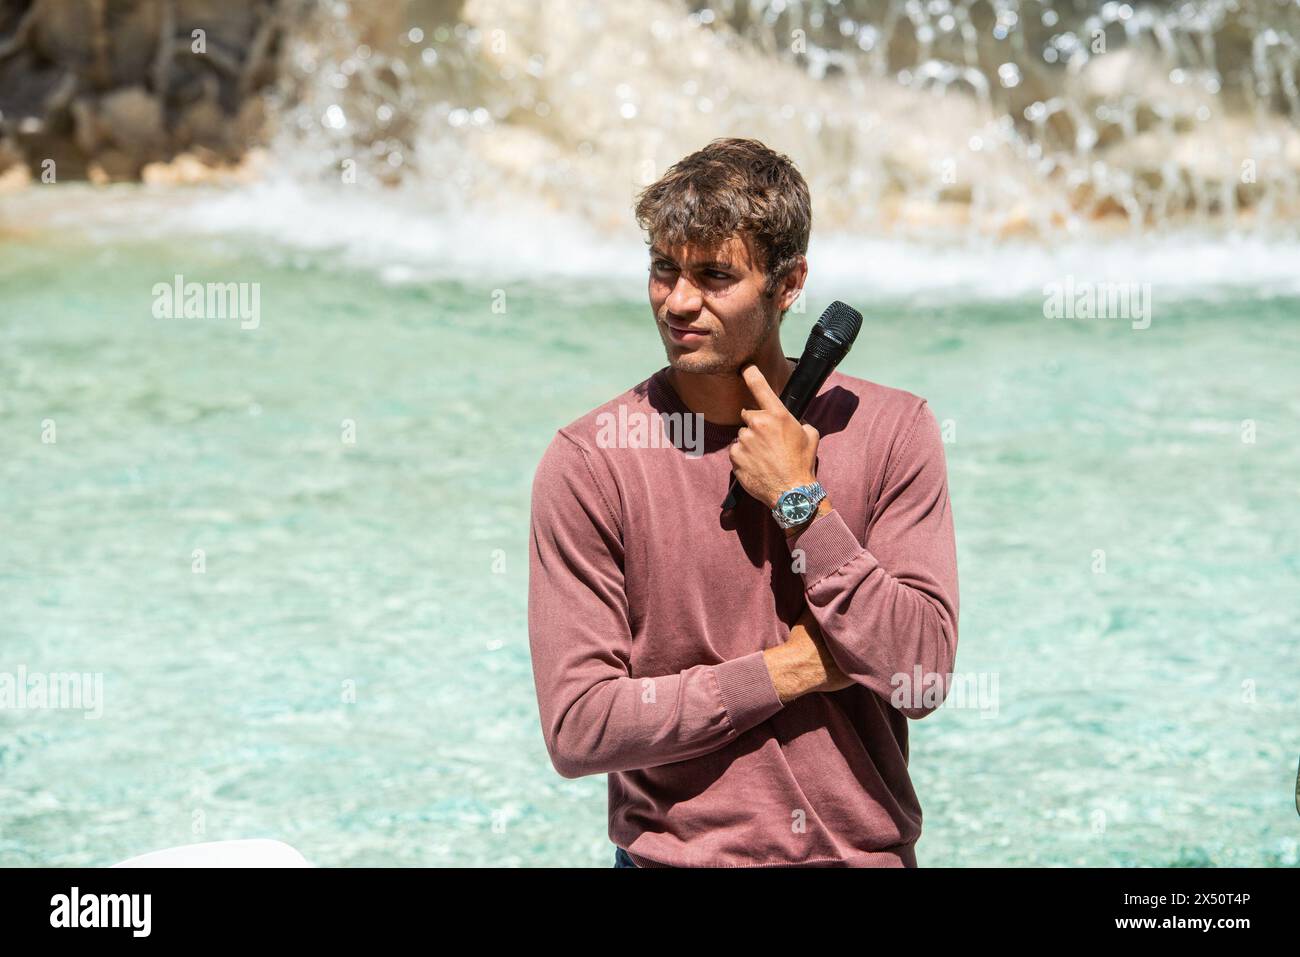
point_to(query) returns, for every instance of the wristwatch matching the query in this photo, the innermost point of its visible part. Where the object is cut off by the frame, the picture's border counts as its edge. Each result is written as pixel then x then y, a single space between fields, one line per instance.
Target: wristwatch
pixel 797 505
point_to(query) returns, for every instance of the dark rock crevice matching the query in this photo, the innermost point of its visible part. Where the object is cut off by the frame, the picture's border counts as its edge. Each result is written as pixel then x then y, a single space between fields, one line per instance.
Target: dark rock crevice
pixel 100 88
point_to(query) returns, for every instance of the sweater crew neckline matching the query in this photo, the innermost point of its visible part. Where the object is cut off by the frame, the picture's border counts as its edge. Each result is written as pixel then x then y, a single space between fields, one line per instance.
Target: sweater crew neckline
pixel 665 397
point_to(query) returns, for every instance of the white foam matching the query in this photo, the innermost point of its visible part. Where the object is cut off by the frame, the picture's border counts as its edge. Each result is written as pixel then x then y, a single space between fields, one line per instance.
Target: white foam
pixel 403 237
pixel 1177 264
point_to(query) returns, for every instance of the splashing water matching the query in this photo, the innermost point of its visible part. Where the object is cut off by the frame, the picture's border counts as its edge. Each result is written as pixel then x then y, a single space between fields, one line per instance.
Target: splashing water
pixel 977 117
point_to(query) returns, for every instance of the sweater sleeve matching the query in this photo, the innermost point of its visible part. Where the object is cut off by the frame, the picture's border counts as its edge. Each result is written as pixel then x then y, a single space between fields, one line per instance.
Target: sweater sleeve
pixel 596 716
pixel 888 607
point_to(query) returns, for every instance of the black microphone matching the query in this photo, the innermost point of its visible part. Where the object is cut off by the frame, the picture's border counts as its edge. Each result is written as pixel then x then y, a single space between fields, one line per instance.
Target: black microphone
pixel 828 343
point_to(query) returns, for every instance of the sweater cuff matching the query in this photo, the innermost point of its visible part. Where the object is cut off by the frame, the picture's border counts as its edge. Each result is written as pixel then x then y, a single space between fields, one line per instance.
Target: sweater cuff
pixel 747 691
pixel 827 544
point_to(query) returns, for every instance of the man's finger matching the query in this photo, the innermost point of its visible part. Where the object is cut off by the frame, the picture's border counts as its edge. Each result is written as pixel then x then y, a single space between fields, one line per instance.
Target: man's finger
pixel 762 392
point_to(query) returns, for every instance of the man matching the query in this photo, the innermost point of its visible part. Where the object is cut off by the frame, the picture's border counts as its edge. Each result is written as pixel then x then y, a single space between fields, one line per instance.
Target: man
pixel 746 686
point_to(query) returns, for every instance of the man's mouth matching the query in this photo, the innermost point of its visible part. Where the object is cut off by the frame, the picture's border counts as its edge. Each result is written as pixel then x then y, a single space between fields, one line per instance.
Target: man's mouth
pixel 686 333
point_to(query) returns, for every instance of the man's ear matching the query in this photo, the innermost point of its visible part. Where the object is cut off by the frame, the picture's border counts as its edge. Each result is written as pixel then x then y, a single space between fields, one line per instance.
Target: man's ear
pixel 793 281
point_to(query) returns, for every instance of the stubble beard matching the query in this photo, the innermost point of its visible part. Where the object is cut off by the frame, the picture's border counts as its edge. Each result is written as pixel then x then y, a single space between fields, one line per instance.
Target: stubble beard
pixel 715 362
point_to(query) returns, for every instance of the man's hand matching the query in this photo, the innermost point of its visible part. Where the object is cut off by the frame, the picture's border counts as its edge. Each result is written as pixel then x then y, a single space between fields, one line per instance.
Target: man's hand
pixel 802 664
pixel 772 452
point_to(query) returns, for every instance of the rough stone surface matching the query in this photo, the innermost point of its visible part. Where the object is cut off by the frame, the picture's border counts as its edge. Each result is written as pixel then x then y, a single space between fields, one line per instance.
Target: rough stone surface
pixel 103 89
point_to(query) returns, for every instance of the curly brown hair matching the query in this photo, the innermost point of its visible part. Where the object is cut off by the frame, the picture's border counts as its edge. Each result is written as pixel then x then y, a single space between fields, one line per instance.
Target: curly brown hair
pixel 732 185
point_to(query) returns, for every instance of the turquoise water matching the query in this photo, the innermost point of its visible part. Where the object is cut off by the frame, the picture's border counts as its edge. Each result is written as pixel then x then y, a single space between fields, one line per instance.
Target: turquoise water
pixel 350 671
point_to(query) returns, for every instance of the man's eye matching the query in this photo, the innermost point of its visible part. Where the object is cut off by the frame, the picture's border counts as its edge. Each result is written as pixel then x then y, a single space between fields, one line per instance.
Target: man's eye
pixel 660 265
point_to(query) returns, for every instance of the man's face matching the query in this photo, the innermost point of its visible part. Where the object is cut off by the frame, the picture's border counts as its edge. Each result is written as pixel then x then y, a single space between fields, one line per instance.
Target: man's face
pixel 717 294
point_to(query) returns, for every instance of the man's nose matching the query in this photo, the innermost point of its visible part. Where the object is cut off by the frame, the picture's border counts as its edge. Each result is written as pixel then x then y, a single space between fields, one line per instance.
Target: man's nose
pixel 685 297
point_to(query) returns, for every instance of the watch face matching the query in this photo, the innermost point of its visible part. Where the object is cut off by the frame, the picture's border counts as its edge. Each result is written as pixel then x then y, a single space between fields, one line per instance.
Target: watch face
pixel 795 506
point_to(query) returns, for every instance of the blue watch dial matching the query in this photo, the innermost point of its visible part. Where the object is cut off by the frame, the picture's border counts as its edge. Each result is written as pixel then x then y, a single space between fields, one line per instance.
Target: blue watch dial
pixel 795 506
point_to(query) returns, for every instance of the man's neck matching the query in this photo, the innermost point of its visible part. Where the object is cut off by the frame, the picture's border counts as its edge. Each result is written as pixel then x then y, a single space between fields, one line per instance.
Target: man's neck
pixel 720 397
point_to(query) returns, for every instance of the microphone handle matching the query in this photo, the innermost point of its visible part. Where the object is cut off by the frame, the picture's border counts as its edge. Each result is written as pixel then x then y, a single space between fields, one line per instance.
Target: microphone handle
pixel 799 390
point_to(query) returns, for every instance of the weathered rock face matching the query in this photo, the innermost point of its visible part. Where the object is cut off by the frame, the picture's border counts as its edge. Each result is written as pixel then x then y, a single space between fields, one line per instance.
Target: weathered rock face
pixel 101 88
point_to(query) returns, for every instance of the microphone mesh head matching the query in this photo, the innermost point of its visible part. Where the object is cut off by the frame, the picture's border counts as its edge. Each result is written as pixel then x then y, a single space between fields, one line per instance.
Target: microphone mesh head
pixel 841 322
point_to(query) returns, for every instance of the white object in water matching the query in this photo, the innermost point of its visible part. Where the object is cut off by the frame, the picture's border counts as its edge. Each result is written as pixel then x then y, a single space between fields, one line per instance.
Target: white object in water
pixel 256 852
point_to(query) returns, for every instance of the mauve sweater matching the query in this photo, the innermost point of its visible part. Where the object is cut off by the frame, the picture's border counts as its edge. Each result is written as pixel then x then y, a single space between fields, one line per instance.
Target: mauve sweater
pixel 649 609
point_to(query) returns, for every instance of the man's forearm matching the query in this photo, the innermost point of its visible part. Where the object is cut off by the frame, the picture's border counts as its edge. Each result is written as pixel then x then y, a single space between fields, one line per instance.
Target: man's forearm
pixel 792 534
pixel 626 723
pixel 890 609
pixel 797 667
